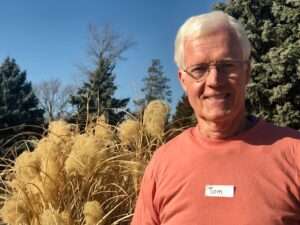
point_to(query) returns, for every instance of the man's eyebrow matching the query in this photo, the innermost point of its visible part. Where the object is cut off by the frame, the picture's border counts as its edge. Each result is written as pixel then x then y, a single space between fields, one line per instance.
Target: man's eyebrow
pixel 195 66
pixel 217 61
pixel 200 64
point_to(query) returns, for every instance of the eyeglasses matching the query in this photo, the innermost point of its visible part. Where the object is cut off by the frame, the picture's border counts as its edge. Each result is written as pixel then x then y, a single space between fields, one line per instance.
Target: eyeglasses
pixel 224 67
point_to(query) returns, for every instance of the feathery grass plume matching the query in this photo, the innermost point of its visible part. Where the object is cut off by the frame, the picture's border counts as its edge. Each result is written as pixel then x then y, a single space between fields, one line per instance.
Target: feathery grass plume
pixel 129 131
pixel 50 148
pixel 52 163
pixel 73 168
pixel 52 180
pixel 53 151
pixel 26 183
pixel 86 156
pixel 93 213
pixel 61 129
pixel 53 217
pixel 15 211
pixel 61 133
pixel 27 166
pixel 103 131
pixel 154 119
pixel 27 194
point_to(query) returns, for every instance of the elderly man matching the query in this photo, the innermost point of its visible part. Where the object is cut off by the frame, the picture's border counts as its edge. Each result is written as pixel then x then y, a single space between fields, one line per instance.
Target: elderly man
pixel 230 169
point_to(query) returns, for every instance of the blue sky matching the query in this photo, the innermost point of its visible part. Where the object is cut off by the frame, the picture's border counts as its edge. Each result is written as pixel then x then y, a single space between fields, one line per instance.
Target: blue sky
pixel 49 38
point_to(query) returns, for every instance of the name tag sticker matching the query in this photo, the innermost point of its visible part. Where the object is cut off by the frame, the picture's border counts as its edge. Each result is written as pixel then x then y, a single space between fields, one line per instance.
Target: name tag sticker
pixel 219 191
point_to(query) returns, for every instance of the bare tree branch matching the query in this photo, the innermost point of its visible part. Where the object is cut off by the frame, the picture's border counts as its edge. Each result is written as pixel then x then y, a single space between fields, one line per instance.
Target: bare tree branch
pixel 104 42
pixel 107 43
pixel 54 98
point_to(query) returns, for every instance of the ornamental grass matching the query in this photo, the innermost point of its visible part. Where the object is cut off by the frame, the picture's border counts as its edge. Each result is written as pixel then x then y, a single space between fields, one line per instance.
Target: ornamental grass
pixel 75 178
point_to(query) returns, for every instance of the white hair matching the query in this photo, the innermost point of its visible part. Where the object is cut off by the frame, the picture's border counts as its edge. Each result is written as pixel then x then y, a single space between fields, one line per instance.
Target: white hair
pixel 204 24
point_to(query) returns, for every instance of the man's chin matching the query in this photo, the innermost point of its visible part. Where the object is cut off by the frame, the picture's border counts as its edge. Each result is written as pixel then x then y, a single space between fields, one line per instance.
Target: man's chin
pixel 219 116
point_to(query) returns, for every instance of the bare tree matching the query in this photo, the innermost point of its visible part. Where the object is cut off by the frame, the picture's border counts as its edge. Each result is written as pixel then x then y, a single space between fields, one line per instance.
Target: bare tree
pixel 97 94
pixel 104 42
pixel 107 43
pixel 54 98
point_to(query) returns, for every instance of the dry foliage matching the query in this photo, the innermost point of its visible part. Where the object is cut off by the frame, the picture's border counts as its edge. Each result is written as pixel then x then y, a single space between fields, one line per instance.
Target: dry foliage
pixel 89 178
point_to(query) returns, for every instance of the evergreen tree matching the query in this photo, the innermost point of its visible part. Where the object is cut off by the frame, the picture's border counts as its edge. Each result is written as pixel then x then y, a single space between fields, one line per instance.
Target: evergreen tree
pixel 155 85
pixel 274 32
pixel 18 103
pixel 95 97
pixel 184 114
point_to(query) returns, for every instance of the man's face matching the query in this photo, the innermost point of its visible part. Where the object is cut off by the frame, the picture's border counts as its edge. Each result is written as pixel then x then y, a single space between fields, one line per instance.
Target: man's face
pixel 219 96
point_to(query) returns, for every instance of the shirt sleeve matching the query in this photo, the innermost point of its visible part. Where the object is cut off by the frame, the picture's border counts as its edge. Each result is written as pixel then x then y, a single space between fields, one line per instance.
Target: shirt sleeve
pixel 145 212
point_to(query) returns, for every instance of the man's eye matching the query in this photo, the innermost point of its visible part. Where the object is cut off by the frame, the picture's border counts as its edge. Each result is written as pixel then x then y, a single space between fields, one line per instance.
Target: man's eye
pixel 200 69
pixel 226 66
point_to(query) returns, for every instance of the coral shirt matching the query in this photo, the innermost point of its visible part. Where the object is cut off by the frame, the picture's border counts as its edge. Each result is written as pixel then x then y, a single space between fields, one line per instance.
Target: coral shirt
pixel 259 169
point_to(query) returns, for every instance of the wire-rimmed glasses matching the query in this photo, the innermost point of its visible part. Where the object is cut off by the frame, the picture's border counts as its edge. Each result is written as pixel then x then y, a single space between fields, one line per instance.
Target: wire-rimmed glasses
pixel 224 67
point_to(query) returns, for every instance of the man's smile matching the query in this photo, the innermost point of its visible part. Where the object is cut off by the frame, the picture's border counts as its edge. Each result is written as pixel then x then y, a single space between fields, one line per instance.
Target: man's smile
pixel 220 96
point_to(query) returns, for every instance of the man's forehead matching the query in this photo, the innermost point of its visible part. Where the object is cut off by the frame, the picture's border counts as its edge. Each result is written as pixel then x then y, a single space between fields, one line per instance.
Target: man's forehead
pixel 224 31
pixel 220 44
pixel 214 39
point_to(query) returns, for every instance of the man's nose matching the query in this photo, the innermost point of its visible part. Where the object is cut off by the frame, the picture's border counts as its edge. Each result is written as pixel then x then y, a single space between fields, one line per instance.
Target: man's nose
pixel 214 77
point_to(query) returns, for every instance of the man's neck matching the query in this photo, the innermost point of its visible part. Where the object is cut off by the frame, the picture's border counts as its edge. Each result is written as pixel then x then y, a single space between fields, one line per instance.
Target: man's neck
pixel 223 129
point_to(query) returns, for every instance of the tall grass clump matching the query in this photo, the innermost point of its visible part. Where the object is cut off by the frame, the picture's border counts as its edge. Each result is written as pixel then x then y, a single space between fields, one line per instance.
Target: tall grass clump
pixel 82 178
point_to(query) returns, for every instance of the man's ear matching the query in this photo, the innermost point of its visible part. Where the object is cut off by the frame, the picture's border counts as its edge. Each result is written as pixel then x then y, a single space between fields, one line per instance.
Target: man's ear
pixel 181 78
